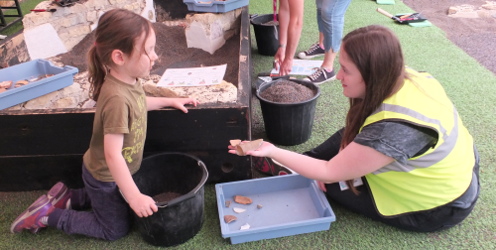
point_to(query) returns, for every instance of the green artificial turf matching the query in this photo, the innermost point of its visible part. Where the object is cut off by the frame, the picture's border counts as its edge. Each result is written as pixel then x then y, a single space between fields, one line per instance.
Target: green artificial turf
pixel 471 87
pixel 26 6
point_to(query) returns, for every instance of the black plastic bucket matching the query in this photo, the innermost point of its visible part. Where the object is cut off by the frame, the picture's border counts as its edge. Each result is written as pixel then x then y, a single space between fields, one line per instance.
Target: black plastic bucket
pixel 288 124
pixel 170 175
pixel 267 36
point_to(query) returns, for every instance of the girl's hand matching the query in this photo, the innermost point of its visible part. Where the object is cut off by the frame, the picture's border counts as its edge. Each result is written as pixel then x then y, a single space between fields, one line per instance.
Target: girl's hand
pixel 263 151
pixel 154 103
pixel 179 103
pixel 143 205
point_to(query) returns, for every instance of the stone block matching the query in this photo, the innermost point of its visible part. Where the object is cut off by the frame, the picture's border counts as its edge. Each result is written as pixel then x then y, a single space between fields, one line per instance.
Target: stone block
pixel 208 38
pixel 96 4
pixel 67 20
pixel 224 92
pixel 35 19
pixel 490 5
pixel 92 16
pixel 14 51
pixel 149 12
pixel 209 31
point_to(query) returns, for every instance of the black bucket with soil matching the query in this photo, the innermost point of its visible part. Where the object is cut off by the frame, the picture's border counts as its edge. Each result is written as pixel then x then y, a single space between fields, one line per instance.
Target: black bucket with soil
pixel 266 34
pixel 288 109
pixel 175 181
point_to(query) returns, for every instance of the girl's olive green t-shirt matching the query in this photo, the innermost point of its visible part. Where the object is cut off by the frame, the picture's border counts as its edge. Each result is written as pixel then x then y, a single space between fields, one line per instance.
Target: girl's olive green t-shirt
pixel 120 109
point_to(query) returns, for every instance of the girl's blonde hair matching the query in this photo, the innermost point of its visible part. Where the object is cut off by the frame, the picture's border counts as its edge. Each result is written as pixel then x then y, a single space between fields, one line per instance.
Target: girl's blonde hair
pixel 118 29
pixel 377 53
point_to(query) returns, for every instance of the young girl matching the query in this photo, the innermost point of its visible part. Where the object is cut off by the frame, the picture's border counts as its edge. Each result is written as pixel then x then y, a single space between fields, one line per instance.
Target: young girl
pixel 123 52
pixel 403 139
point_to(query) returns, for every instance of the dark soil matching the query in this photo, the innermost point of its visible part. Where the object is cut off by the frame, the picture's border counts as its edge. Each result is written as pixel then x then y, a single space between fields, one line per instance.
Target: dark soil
pixel 285 91
pixel 166 196
pixel 173 52
pixel 271 23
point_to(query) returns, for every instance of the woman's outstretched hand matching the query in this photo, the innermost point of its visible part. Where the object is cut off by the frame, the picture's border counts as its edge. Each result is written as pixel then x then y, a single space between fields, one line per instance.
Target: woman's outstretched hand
pixel 264 150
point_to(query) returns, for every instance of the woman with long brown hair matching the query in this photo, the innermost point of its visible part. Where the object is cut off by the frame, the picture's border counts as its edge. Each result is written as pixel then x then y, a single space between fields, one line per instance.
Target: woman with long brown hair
pixel 404 156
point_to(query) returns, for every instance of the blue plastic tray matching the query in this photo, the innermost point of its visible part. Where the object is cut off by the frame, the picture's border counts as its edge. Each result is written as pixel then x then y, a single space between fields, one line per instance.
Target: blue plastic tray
pixel 214 6
pixel 291 204
pixel 62 77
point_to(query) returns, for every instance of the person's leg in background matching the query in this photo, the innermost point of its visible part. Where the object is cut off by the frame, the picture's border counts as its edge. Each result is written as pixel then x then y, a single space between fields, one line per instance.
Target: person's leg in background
pixel 332 17
pixel 330 20
pixel 316 49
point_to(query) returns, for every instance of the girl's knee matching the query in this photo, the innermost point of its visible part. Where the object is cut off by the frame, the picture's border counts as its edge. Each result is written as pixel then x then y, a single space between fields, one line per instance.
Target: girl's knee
pixel 116 232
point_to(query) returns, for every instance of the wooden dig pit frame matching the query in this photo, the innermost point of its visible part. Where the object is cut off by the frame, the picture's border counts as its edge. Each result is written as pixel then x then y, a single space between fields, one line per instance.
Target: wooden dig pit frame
pixel 40 147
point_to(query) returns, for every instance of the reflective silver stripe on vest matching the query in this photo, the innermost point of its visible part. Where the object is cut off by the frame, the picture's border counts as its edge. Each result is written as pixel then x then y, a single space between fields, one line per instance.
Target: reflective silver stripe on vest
pixel 430 159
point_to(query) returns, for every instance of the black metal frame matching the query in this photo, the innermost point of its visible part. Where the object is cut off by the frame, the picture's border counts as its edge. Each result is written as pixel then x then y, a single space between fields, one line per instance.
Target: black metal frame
pixel 17 7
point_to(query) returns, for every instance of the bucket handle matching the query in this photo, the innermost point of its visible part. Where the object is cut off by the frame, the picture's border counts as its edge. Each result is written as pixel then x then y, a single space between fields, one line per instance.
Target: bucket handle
pixel 252 16
pixel 192 193
pixel 274 78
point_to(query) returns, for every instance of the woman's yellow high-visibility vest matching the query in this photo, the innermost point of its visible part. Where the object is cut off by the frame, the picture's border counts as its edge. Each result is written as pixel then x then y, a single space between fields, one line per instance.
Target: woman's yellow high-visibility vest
pixel 438 176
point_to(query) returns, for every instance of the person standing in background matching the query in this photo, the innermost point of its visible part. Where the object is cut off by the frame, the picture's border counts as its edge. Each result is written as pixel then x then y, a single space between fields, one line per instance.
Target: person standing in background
pixel 290 26
pixel 330 21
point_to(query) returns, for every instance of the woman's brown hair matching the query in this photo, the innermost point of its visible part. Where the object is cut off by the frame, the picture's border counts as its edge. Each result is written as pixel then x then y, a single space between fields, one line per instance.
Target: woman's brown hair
pixel 118 29
pixel 376 52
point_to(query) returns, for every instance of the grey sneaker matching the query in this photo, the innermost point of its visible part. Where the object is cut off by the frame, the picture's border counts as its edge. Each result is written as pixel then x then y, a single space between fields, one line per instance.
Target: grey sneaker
pixel 320 76
pixel 313 51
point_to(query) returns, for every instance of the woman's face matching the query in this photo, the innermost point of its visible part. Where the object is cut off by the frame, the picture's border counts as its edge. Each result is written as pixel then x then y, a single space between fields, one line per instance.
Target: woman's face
pixel 350 77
